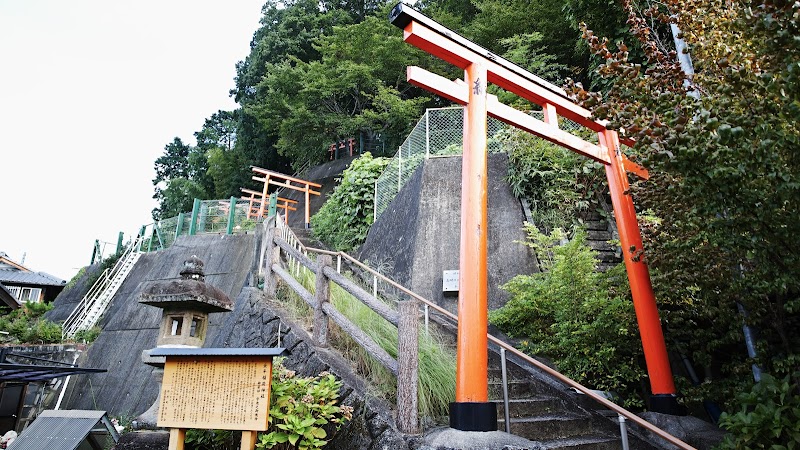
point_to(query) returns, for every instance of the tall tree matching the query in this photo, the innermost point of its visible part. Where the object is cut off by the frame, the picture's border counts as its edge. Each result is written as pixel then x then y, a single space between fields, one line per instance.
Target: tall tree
pixel 357 87
pixel 181 165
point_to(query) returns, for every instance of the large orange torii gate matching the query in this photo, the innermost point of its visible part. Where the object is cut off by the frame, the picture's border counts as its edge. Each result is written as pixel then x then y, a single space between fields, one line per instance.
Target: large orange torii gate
pixel 286 181
pixel 471 410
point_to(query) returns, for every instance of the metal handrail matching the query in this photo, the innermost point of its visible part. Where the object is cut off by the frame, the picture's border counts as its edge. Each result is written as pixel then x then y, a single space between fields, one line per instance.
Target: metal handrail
pixel 559 376
pixel 92 296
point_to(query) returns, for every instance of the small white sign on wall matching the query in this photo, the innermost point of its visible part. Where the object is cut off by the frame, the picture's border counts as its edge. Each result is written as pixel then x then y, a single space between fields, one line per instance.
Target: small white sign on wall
pixel 450 281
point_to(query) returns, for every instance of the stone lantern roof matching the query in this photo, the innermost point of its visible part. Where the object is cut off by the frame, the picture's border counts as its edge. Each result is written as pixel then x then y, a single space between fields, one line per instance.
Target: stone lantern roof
pixel 190 292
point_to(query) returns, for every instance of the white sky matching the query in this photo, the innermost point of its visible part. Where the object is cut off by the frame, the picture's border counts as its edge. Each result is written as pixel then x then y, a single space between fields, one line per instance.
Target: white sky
pixel 90 93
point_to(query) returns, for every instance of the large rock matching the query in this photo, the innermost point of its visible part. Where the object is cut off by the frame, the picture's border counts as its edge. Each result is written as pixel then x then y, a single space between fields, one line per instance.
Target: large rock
pixel 696 432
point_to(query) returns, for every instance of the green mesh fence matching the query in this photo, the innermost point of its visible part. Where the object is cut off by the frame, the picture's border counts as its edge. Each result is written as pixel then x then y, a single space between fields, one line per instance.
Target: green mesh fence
pixel 440 133
pixel 213 217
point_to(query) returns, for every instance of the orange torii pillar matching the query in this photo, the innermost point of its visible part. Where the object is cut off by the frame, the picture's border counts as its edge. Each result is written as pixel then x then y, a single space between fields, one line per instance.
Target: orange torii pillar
pixel 281 180
pixel 471 411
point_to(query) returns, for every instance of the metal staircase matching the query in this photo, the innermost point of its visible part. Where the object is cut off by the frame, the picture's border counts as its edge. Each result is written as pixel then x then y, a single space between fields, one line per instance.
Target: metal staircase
pixel 89 310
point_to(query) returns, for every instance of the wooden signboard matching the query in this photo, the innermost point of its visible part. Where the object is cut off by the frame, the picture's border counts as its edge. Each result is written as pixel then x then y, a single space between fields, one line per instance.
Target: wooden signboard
pixel 211 392
pixel 215 388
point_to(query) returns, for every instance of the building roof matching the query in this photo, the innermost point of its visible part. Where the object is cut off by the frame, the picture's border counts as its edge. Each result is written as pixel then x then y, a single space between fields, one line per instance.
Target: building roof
pixel 26 373
pixel 61 430
pixel 29 278
pixel 5 260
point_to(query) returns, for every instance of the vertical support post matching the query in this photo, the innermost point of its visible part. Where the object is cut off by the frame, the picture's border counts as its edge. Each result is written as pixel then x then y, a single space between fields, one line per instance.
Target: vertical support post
pixel 663 397
pixel 308 207
pixel 623 432
pixel 195 213
pixel 472 411
pixel 270 256
pixel 504 374
pixel 179 226
pixel 427 318
pixel 95 247
pixel 407 366
pixel 273 204
pixel 157 232
pixel 322 295
pixel 339 263
pixel 140 238
pixel 263 197
pixel 375 286
pixel 177 436
pixel 249 440
pixel 250 205
pixel 550 115
pixel 231 216
pixel 375 203
pixel 119 242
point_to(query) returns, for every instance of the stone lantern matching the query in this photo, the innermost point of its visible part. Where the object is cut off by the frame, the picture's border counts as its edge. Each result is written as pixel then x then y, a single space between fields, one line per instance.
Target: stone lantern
pixel 185 303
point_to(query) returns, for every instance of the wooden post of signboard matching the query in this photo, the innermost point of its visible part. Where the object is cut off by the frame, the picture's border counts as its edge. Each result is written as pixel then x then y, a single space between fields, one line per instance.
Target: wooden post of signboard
pixel 216 389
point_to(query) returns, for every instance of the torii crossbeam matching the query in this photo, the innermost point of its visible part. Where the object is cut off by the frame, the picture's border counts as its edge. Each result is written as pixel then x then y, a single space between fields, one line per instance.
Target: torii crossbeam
pixel 471 410
pixel 278 179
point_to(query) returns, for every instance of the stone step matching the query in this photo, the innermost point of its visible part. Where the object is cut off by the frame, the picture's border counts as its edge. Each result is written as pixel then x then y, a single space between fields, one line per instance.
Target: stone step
pixel 599 235
pixel 584 443
pixel 526 407
pixel 517 389
pixel 549 426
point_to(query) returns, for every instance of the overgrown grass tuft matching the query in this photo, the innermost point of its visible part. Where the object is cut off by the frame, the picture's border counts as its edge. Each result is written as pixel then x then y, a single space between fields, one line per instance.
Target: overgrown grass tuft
pixel 436 366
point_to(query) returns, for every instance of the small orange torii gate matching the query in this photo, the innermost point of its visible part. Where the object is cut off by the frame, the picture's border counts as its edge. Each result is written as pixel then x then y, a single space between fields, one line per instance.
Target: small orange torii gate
pixel 255 204
pixel 278 179
pixel 471 410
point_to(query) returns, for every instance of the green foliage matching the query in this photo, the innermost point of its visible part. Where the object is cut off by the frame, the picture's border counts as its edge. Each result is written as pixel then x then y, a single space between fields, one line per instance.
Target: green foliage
pixel 304 411
pixel 210 440
pixel 768 417
pixel 560 185
pixel 26 325
pixel 74 280
pixel 88 336
pixel 356 87
pixel 181 175
pixel 725 177
pixel 581 318
pixel 345 218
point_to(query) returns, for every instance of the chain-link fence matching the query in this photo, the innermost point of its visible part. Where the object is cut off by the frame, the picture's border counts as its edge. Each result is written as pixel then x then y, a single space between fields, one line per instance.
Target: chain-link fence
pixel 440 132
pixel 213 216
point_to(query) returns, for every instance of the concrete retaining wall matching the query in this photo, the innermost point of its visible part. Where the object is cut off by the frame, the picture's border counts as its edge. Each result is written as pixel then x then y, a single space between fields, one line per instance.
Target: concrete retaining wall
pixel 418 236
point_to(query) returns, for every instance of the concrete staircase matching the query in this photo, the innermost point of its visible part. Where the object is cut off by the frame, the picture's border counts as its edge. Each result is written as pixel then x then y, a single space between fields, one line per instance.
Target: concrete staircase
pixel 545 411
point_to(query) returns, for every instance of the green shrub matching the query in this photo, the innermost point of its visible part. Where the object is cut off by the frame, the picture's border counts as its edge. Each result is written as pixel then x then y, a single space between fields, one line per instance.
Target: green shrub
pixel 210 440
pixel 26 325
pixel 345 218
pixel 87 336
pixel 769 417
pixel 581 318
pixel 303 412
pixel 559 184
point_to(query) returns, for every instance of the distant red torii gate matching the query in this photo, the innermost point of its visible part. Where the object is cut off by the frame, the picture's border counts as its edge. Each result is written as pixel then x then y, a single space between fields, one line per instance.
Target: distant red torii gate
pixel 471 411
pixel 278 179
